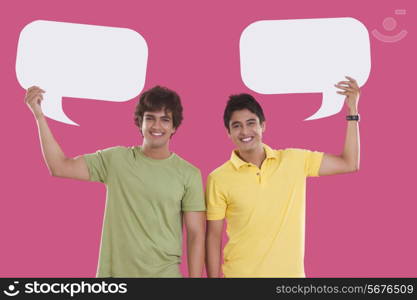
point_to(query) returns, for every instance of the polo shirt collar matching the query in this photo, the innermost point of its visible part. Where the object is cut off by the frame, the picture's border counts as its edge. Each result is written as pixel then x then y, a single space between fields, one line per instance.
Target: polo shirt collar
pixel 238 162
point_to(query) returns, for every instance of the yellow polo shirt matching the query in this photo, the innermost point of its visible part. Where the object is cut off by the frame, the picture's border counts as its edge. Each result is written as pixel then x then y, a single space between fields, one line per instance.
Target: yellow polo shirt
pixel 265 212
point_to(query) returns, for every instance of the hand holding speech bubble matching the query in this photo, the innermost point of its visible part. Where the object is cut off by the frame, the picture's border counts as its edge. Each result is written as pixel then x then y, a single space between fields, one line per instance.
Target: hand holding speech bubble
pixel 305 56
pixel 80 61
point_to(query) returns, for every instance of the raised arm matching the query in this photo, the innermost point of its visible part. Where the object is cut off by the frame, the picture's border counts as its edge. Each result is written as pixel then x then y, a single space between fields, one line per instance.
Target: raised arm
pixel 58 164
pixel 348 160
pixel 214 247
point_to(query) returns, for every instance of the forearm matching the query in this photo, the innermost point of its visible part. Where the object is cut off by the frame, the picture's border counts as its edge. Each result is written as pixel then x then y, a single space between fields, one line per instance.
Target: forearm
pixel 52 153
pixel 351 150
pixel 213 256
pixel 195 254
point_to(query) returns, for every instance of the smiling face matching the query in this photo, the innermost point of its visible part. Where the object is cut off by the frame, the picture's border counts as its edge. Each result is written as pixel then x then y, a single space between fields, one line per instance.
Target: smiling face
pixel 246 130
pixel 157 128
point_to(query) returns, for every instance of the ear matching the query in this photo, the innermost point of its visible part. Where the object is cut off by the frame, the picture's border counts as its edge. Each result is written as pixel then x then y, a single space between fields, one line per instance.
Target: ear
pixel 173 131
pixel 263 125
pixel 228 133
pixel 140 129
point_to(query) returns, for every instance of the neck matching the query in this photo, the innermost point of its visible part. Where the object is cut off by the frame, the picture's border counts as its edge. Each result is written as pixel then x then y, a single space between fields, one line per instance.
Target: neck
pixel 156 152
pixel 255 156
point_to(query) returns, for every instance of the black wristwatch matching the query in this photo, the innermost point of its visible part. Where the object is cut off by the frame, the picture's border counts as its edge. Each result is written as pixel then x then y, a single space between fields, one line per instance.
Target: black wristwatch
pixel 352 117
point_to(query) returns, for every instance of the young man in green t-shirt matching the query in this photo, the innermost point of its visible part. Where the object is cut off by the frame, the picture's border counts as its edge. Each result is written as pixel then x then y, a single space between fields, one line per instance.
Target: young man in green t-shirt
pixel 261 193
pixel 150 192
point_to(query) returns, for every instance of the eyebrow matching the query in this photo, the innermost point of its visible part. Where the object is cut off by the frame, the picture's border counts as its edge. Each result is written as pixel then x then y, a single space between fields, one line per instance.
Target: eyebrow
pixel 238 122
pixel 153 116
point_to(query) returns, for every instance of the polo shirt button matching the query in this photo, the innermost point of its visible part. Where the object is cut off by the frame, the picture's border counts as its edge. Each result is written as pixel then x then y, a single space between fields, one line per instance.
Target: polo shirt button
pixel 257 173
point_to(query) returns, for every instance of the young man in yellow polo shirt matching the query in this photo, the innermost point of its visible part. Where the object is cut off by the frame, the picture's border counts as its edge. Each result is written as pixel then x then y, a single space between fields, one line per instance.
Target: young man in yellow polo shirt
pixel 261 193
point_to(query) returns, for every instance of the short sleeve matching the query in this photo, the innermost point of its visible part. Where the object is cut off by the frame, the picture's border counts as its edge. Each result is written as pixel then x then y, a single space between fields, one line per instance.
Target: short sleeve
pixel 215 200
pixel 98 164
pixel 193 199
pixel 313 161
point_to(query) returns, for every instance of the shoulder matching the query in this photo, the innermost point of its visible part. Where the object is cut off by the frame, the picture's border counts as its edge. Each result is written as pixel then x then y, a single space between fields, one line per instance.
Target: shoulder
pixel 117 151
pixel 111 153
pixel 300 156
pixel 225 170
pixel 293 153
pixel 185 166
pixel 286 153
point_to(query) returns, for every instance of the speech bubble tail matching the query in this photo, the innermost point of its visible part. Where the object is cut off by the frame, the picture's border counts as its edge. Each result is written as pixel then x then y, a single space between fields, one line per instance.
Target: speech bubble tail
pixel 332 104
pixel 52 108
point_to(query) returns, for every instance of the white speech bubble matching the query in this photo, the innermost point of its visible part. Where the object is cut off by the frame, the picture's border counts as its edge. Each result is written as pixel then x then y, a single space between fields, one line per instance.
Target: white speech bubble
pixel 305 56
pixel 80 61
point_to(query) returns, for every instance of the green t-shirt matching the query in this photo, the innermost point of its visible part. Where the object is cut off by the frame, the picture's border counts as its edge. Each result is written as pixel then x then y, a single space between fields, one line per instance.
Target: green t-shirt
pixel 142 230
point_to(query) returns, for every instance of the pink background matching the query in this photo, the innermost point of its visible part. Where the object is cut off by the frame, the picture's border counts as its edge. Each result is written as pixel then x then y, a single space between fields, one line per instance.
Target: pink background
pixel 360 224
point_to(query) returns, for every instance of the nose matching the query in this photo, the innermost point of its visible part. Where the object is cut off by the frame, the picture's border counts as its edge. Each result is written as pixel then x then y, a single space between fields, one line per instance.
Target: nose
pixel 244 130
pixel 156 124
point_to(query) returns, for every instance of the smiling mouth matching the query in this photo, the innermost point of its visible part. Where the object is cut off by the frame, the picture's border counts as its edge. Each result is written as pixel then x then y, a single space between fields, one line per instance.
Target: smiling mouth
pixel 157 134
pixel 246 139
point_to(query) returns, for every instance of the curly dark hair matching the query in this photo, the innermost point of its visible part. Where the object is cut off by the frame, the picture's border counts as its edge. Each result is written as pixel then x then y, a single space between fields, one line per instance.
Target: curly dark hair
pixel 159 98
pixel 239 102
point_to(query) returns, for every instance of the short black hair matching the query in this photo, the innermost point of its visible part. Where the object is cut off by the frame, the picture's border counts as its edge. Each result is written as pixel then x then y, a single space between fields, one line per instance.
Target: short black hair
pixel 239 102
pixel 158 98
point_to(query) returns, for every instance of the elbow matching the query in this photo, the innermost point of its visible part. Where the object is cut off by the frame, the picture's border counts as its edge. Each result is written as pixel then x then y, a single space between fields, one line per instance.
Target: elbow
pixel 354 168
pixel 196 234
pixel 351 166
pixel 213 238
pixel 53 172
pixel 58 168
